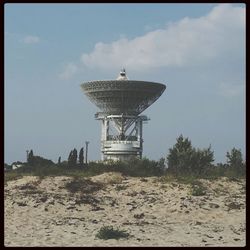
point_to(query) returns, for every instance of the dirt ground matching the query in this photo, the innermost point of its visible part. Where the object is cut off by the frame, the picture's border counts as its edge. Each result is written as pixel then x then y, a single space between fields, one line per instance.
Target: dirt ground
pixel 43 212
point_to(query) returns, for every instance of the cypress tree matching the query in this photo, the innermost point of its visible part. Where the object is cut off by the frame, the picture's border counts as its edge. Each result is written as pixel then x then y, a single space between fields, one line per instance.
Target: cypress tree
pixel 74 157
pixel 81 157
pixel 59 160
pixel 31 157
pixel 70 158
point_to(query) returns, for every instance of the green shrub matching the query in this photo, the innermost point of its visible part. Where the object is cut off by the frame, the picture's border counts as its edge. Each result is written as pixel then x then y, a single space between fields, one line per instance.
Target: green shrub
pixel 184 179
pixel 28 186
pixel 134 167
pixel 234 205
pixel 12 175
pixel 183 158
pixel 120 187
pixel 187 179
pixel 83 185
pixel 168 178
pixel 51 170
pixel 108 232
pixel 198 189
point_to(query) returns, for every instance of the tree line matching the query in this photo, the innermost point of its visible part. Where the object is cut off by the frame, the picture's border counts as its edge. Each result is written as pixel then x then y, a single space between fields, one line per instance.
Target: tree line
pixel 74 159
pixel 181 159
pixel 184 159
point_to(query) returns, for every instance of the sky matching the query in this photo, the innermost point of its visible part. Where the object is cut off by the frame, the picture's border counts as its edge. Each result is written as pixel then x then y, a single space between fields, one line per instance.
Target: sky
pixel 196 50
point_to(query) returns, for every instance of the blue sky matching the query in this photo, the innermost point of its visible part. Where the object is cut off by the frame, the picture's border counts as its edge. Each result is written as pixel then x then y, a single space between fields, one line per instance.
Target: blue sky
pixel 197 50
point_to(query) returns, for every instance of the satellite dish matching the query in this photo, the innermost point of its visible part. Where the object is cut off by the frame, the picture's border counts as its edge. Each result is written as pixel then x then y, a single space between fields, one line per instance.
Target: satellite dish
pixel 121 101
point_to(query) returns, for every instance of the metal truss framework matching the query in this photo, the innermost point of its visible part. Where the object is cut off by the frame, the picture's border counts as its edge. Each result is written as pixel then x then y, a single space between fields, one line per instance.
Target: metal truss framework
pixel 121 136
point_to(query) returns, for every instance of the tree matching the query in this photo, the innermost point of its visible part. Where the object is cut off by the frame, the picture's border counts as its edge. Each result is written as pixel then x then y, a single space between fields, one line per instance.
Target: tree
pixel 161 163
pixel 59 160
pixel 38 160
pixel 203 161
pixel 72 159
pixel 31 158
pixel 81 157
pixel 180 156
pixel 184 159
pixel 234 158
pixel 235 162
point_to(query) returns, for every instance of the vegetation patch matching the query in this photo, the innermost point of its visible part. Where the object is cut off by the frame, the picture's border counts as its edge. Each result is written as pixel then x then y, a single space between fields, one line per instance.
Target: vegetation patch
pixel 120 187
pixel 111 178
pixel 83 185
pixel 234 179
pixel 181 178
pixel 234 205
pixel 220 191
pixel 197 189
pixel 183 164
pixel 87 199
pixel 134 167
pixel 143 180
pixel 34 191
pixel 10 176
pixel 28 186
pixel 43 198
pixel 108 232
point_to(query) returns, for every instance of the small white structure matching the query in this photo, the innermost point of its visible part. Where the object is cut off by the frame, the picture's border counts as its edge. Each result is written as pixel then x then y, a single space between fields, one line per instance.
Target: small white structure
pixel 15 166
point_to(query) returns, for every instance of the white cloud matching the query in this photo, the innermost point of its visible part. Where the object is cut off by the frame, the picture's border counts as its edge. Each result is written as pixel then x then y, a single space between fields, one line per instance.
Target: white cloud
pixel 188 42
pixel 31 39
pixel 69 70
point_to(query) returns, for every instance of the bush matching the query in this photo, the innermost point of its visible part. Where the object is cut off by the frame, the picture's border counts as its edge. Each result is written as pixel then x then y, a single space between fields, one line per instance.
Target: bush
pixel 134 167
pixel 83 185
pixel 234 158
pixel 10 176
pixel 108 232
pixel 120 187
pixel 51 170
pixel 198 189
pixel 38 160
pixel 184 159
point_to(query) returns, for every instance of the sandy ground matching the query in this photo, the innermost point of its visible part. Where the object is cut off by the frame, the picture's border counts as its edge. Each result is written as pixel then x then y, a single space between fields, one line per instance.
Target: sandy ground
pixel 154 213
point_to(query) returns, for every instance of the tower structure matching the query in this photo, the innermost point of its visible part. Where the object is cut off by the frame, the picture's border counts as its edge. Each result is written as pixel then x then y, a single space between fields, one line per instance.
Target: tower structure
pixel 121 102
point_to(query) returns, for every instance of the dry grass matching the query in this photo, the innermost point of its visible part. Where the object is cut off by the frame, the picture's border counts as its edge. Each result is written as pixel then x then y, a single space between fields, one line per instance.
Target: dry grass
pixel 83 185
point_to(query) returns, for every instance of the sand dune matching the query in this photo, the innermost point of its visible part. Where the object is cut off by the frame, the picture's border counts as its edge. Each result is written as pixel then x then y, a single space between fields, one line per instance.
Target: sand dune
pixel 42 212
